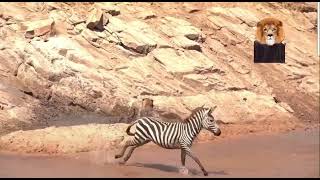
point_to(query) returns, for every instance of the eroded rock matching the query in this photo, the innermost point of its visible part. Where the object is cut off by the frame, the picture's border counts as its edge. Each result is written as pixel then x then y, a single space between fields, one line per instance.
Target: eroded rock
pixel 109 7
pixel 147 14
pixel 39 28
pixel 186 43
pixel 65 140
pixel 177 27
pixel 181 64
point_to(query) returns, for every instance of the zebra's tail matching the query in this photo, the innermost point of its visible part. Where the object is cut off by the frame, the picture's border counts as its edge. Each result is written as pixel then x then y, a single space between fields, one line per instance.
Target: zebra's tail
pixel 128 128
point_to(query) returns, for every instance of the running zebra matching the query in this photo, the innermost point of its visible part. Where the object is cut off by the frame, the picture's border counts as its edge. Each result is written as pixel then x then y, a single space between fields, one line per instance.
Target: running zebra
pixel 178 135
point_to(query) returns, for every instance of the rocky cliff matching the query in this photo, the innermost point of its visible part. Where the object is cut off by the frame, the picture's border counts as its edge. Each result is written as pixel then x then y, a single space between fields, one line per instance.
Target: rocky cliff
pixel 72 64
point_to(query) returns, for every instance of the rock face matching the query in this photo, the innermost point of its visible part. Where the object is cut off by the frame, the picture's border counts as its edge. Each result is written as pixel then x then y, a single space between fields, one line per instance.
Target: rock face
pixel 76 139
pixel 126 60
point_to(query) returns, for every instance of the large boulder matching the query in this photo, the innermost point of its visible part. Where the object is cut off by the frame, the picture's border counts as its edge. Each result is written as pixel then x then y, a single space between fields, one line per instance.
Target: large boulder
pixel 97 19
pixel 38 28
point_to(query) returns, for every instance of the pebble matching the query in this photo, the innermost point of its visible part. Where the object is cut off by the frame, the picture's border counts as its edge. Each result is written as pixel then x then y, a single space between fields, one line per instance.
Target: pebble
pixel 2 47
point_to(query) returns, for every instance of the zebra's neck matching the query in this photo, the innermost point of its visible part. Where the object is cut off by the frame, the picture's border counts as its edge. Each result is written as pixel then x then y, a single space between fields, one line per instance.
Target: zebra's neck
pixel 194 125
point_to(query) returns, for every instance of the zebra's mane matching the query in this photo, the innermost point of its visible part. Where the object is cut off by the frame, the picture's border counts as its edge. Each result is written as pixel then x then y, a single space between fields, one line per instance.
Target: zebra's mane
pixel 194 112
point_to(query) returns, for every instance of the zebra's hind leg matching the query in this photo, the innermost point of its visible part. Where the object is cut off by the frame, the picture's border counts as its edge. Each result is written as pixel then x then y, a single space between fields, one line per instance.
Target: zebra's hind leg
pixel 126 158
pixel 127 144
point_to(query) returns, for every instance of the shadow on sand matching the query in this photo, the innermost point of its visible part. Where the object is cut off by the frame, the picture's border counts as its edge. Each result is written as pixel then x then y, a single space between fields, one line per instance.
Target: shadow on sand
pixel 169 168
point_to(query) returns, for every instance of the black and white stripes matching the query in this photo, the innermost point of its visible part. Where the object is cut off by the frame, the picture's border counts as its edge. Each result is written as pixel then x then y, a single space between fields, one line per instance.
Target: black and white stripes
pixel 179 135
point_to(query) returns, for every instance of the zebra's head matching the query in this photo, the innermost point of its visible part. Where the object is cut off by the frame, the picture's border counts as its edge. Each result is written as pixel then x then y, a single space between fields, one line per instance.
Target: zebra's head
pixel 209 123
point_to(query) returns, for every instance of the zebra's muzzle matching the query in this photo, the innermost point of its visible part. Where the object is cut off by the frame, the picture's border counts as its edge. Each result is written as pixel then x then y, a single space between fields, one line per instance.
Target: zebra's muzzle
pixel 217 132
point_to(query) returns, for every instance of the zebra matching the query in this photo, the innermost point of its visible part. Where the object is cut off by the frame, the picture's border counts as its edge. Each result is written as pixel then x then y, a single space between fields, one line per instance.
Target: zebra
pixel 171 135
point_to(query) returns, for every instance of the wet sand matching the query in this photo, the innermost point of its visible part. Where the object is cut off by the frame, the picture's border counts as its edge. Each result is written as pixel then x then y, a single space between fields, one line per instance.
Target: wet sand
pixel 293 154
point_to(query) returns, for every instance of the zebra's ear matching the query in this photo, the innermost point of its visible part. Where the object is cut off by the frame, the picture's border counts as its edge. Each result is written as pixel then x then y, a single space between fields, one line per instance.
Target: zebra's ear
pixel 208 111
pixel 212 109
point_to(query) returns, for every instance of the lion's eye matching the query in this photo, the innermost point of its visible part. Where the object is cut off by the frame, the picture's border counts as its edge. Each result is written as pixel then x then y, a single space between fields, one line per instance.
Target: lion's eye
pixel 265 29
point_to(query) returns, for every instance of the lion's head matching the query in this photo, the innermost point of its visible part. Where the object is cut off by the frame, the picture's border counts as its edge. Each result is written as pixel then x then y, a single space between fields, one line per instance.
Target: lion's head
pixel 270 31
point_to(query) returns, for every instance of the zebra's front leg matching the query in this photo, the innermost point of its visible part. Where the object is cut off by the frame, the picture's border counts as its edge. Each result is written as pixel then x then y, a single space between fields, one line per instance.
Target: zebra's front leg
pixel 183 157
pixel 189 153
pixel 183 169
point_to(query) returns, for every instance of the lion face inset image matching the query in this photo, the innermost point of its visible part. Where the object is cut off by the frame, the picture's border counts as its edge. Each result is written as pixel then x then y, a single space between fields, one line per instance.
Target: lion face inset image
pixel 270 31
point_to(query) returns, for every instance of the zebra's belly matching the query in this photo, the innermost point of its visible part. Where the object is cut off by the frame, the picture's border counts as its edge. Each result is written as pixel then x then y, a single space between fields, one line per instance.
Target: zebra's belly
pixel 162 141
pixel 169 146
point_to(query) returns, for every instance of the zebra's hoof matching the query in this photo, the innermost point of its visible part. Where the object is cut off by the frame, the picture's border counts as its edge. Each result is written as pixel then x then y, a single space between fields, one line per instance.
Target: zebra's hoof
pixel 205 173
pixel 184 171
pixel 122 162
